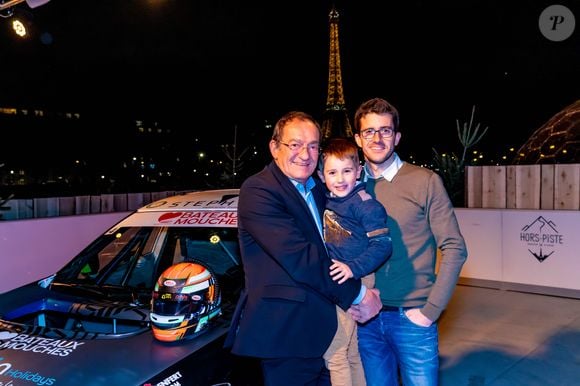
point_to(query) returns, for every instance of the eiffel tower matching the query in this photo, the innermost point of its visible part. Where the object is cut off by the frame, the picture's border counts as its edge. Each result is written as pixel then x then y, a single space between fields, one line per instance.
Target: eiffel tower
pixel 335 122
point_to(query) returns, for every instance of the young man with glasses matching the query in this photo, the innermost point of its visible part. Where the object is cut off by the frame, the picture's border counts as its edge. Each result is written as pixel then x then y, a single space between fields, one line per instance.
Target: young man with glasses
pixel 403 338
pixel 286 315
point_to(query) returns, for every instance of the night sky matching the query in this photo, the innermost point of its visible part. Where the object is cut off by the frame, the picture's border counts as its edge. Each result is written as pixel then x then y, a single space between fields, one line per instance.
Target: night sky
pixel 205 66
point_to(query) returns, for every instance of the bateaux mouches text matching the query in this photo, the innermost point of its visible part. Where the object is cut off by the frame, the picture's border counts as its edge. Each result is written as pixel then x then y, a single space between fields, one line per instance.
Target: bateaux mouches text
pixel 200 218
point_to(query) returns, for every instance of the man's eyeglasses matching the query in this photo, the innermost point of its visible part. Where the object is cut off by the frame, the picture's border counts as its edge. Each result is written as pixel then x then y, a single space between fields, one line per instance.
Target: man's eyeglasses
pixel 296 147
pixel 384 132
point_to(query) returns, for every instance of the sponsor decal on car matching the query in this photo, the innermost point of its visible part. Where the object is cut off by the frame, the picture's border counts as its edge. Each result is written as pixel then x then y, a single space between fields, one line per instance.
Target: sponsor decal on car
pixel 200 218
pixel 171 380
pixel 226 201
pixel 49 346
pixel 8 370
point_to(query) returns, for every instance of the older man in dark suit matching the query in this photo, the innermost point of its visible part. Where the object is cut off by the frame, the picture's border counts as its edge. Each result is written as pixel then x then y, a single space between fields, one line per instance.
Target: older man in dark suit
pixel 286 314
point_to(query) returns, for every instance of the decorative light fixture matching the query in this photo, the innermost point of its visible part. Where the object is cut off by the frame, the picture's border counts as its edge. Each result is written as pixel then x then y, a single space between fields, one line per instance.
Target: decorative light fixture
pixel 19 28
pixel 19 25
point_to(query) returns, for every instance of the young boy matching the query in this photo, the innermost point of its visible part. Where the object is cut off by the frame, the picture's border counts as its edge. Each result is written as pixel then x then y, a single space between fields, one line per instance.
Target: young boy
pixel 358 241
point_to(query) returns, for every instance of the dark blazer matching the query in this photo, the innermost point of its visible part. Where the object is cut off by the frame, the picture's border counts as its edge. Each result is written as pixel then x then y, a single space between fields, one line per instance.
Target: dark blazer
pixel 288 306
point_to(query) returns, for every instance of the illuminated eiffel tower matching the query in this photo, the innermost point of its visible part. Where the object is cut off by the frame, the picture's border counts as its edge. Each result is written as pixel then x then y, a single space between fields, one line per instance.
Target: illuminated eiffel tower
pixel 335 122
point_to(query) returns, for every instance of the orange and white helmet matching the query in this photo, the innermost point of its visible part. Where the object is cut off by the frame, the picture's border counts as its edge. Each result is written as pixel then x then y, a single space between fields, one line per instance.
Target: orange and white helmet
pixel 185 298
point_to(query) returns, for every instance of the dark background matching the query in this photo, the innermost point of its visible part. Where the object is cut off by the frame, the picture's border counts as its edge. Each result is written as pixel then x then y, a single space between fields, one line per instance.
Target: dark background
pixel 204 66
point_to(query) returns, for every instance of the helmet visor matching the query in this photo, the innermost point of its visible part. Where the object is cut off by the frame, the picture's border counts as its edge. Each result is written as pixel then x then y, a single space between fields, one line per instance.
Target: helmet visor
pixel 176 304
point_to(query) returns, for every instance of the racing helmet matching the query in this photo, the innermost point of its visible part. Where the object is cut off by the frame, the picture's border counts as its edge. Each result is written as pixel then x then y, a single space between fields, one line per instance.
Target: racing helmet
pixel 185 299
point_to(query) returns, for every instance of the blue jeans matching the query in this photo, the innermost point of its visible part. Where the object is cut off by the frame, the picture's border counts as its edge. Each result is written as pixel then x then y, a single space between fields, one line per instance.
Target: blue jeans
pixel 391 342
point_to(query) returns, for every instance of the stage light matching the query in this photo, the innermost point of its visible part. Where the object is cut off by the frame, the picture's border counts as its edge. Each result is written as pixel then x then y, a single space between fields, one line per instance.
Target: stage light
pixel 19 24
pixel 19 28
pixel 22 23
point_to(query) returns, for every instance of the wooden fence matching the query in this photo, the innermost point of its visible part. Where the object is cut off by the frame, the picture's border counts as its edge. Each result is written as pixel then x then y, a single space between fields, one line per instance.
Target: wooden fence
pixel 67 206
pixel 555 187
pixel 550 187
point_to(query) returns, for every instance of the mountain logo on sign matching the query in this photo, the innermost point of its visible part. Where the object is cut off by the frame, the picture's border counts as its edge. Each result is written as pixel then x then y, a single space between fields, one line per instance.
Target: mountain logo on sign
pixel 540 235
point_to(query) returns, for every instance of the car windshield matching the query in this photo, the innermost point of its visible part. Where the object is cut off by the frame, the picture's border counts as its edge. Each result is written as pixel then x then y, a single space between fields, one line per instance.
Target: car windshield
pixel 134 257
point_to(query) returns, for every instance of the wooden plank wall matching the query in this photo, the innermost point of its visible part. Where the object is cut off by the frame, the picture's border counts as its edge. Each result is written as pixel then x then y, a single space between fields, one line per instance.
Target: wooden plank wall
pixel 566 181
pixel 547 193
pixel 494 183
pixel 21 209
pixel 549 187
pixel 523 187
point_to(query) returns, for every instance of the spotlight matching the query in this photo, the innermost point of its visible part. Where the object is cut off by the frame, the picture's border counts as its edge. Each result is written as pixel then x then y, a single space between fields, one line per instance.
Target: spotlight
pixel 19 28
pixel 22 23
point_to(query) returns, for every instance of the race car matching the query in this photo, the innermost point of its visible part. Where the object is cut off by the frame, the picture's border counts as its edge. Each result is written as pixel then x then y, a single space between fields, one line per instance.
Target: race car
pixel 95 322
